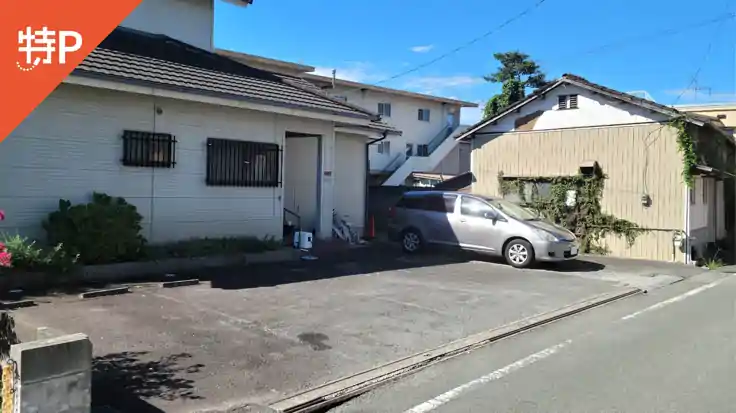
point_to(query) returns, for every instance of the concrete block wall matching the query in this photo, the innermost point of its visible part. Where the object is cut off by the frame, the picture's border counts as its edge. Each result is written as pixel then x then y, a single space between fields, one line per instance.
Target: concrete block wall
pixel 54 375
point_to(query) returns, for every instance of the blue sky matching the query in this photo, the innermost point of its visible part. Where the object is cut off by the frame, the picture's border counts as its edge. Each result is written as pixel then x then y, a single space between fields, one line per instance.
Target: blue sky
pixel 369 41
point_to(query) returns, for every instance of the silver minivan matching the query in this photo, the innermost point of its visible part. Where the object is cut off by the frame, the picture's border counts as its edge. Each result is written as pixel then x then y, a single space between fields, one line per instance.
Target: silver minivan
pixel 478 223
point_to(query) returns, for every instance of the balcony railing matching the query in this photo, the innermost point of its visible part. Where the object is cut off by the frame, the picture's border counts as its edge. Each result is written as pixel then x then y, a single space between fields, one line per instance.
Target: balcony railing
pixel 395 163
pixel 437 140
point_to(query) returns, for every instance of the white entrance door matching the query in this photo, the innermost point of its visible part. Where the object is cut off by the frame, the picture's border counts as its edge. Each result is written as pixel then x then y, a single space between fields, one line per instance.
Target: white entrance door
pixel 301 160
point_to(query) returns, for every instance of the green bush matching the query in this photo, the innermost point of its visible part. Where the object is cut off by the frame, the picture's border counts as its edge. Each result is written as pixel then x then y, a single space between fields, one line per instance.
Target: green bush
pixel 26 255
pixel 105 230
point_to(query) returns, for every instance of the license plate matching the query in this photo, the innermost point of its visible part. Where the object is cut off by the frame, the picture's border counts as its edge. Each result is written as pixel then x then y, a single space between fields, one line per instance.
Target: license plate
pixel 574 251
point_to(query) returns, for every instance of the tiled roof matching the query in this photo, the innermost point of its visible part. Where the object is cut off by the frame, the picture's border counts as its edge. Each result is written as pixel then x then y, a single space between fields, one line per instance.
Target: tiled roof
pixel 586 84
pixel 140 57
pixel 580 81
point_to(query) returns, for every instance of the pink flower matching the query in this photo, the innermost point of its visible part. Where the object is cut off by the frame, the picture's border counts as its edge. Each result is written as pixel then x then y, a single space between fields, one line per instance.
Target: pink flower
pixel 5 259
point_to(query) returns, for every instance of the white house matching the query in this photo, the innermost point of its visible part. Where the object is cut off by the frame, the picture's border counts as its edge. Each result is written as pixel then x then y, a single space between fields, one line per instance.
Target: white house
pixel 201 144
pixel 425 122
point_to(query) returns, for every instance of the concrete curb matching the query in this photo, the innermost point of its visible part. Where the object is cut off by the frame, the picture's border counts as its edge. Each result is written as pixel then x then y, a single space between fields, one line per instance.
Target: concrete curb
pixel 179 283
pixel 329 394
pixel 248 408
pixel 106 292
pixel 13 305
pixel 142 269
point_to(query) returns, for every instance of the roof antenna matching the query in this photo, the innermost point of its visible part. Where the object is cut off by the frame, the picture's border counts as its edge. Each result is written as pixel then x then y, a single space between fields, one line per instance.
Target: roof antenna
pixel 334 74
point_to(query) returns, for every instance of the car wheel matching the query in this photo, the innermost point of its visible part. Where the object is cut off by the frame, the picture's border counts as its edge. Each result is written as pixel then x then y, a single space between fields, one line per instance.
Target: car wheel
pixel 411 241
pixel 519 253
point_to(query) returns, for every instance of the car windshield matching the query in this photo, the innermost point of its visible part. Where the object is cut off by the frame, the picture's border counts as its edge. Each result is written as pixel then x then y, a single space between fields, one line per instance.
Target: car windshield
pixel 513 210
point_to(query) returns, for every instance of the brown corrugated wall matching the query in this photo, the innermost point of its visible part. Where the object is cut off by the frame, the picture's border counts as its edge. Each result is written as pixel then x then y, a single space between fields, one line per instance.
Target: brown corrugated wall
pixel 637 159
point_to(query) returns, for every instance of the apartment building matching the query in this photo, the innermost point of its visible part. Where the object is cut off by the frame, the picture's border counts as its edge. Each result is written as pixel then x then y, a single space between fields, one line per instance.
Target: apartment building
pixel 426 123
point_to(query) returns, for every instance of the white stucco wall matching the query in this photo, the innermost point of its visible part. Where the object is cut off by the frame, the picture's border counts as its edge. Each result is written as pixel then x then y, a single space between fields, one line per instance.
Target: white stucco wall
pixel 71 146
pixel 404 117
pixel 593 110
pixel 350 176
pixel 191 21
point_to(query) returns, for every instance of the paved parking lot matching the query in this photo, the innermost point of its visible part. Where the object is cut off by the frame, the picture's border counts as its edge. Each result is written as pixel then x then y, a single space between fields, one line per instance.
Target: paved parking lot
pixel 260 333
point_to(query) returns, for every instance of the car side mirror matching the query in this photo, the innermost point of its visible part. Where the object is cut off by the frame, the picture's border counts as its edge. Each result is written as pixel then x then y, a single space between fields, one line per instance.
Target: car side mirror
pixel 490 215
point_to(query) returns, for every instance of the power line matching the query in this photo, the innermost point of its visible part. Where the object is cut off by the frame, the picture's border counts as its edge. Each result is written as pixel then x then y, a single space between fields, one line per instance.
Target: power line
pixel 595 50
pixel 693 79
pixel 702 63
pixel 457 49
pixel 660 33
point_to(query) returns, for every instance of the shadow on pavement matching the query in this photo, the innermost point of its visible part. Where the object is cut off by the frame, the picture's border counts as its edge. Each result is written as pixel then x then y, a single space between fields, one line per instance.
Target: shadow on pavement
pixel 361 261
pixel 124 381
pixel 375 259
pixel 579 265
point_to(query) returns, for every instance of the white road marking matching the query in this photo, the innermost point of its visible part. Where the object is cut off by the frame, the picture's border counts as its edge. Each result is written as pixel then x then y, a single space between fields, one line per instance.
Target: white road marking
pixel 674 299
pixel 446 397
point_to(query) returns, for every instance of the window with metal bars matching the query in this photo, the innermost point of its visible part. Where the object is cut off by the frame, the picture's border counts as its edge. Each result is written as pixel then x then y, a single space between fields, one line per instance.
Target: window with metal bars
pixel 242 163
pixel 156 150
pixel 573 102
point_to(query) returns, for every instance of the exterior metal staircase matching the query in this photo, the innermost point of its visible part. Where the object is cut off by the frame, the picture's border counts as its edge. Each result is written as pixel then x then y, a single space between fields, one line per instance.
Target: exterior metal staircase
pixel 437 149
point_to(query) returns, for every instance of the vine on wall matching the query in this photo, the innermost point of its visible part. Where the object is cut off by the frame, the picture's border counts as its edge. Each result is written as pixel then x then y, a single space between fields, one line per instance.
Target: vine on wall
pixel 686 147
pixel 584 218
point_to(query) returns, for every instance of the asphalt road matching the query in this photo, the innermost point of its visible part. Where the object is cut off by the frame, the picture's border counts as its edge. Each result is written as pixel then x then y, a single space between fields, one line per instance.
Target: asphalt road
pixel 673 350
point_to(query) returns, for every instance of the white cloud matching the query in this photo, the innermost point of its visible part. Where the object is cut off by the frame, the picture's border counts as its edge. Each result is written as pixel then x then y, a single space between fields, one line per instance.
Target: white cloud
pixel 422 49
pixel 354 71
pixel 436 84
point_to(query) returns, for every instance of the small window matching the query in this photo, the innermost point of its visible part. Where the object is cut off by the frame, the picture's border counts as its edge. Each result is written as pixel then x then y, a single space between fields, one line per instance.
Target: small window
pixel 567 102
pixel 474 207
pixel 149 149
pixel 423 115
pixel 242 163
pixel 422 150
pixel 384 147
pixel 561 102
pixel 341 97
pixel 409 149
pixel 384 109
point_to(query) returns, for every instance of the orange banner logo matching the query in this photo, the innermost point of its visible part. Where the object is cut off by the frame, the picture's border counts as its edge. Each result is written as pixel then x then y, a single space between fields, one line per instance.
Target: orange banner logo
pixel 41 42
